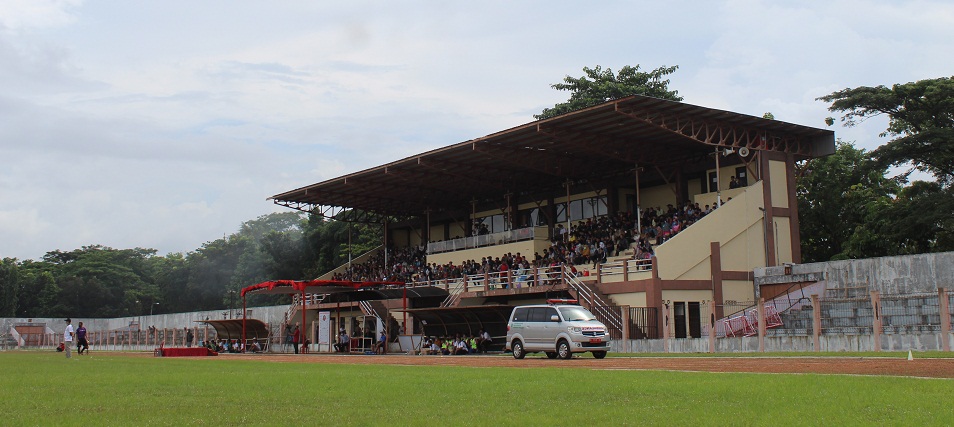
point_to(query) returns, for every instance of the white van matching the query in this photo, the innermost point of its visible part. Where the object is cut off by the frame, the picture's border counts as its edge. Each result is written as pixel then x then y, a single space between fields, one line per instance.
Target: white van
pixel 558 328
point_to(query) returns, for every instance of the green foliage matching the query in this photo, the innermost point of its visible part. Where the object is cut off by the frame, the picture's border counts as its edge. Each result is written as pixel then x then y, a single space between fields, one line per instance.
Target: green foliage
pixel 9 277
pixel 881 217
pixel 97 281
pixel 921 118
pixel 834 194
pixel 599 86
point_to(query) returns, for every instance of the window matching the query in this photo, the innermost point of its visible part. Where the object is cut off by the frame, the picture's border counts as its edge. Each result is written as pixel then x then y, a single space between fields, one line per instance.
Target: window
pixel 520 314
pixel 583 209
pixel 742 174
pixel 538 314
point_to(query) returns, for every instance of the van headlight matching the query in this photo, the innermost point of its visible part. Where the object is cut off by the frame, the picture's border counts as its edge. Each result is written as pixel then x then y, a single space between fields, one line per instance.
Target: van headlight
pixel 574 329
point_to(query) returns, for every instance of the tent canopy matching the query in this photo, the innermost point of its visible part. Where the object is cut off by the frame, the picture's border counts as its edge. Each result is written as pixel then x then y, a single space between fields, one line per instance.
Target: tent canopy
pixel 315 286
pixel 449 321
pixel 345 290
pixel 231 329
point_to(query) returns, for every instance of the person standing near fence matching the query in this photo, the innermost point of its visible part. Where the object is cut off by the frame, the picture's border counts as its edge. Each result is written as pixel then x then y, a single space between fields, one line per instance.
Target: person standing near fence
pixel 296 338
pixel 68 338
pixel 81 342
pixel 189 337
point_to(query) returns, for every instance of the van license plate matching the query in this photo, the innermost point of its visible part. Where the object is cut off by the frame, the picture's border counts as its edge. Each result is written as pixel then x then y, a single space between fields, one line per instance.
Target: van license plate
pixel 595 341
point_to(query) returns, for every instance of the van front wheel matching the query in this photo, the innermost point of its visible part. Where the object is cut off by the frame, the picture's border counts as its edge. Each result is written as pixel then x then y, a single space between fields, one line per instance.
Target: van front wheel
pixel 518 352
pixel 599 354
pixel 563 350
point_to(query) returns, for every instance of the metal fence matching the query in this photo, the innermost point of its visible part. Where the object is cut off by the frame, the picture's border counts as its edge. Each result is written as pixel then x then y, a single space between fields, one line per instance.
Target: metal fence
pixel 914 313
pixel 643 323
pixel 846 316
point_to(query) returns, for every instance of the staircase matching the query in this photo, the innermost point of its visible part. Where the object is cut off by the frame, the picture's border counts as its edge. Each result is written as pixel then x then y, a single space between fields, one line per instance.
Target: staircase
pixel 595 301
pixel 379 311
pixel 310 299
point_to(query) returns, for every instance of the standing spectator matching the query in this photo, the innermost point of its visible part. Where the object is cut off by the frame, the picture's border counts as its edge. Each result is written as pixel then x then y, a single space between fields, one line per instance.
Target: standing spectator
pixel 296 338
pixel 68 338
pixel 81 343
pixel 288 335
pixel 188 336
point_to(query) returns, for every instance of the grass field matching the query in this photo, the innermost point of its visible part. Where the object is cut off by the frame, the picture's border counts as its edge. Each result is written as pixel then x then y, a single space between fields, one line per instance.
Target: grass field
pixel 44 388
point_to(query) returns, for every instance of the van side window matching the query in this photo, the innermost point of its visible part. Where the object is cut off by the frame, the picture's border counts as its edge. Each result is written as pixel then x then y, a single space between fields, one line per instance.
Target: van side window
pixel 520 315
pixel 538 314
pixel 550 312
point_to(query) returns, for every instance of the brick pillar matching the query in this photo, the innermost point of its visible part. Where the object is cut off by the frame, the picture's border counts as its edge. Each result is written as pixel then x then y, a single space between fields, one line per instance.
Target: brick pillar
pixel 876 323
pixel 761 311
pixel 625 270
pixel 816 323
pixel 509 279
pixel 945 310
pixel 711 326
pixel 599 273
pixel 486 281
pixel 626 340
pixel 666 316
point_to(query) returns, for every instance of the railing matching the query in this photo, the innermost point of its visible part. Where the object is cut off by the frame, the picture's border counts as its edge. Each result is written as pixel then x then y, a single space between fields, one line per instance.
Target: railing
pixel 625 267
pixel 502 237
pixel 601 307
pixel 746 324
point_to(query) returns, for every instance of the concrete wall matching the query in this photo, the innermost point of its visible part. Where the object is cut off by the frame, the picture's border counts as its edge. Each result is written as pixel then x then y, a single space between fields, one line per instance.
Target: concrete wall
pixel 737 226
pixel 272 315
pixel 829 343
pixel 908 274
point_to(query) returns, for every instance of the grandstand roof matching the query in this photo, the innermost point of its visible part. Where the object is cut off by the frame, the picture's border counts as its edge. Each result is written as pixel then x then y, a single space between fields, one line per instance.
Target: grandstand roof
pixel 345 290
pixel 588 148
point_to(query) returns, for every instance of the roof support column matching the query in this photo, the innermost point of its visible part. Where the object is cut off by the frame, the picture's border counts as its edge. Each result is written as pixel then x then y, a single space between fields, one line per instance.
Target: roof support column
pixel 385 243
pixel 566 211
pixel 427 226
pixel 639 211
pixel 509 219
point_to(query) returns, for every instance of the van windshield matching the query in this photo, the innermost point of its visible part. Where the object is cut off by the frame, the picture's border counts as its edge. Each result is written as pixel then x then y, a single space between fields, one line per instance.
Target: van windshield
pixel 571 314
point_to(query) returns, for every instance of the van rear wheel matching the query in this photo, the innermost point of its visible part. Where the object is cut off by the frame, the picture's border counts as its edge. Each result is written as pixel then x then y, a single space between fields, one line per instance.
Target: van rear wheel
pixel 563 350
pixel 551 355
pixel 518 352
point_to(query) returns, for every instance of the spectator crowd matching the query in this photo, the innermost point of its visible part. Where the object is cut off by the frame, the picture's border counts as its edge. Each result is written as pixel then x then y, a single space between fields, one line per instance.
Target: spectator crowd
pixel 591 241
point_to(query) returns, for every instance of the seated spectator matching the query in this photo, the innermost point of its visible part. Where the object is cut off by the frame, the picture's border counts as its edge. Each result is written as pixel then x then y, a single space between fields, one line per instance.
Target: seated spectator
pixel 344 342
pixel 484 341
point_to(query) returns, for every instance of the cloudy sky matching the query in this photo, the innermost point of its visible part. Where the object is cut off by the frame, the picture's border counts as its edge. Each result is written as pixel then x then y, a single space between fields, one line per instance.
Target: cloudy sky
pixel 166 124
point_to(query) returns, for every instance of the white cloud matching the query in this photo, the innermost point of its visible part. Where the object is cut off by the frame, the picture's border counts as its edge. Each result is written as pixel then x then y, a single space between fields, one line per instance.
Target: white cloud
pixel 167 124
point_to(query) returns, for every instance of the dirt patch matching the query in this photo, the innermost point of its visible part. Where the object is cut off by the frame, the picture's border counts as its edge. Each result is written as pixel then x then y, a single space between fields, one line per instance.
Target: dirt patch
pixel 929 368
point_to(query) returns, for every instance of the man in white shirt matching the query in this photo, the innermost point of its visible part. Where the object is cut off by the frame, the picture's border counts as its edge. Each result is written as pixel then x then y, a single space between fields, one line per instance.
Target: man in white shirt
pixel 68 338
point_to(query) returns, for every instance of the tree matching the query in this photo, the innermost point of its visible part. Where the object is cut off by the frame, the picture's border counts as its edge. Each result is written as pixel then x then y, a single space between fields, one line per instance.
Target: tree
pixel 599 86
pixel 835 195
pixel 9 282
pixel 921 120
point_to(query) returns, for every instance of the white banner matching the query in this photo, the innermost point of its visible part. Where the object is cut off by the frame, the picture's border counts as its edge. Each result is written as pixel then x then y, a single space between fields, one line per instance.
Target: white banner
pixel 324 327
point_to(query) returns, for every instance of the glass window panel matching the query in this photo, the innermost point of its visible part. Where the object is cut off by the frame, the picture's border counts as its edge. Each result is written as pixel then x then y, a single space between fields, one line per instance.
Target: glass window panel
pixel 576 210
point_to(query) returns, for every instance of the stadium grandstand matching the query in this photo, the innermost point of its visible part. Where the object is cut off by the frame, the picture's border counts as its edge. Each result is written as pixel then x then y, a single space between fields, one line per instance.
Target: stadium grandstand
pixel 652 213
